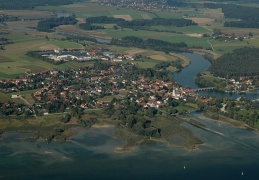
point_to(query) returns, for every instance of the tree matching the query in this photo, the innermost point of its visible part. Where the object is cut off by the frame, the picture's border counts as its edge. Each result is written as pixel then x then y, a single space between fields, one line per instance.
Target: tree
pixel 66 119
pixel 216 31
pixel 115 27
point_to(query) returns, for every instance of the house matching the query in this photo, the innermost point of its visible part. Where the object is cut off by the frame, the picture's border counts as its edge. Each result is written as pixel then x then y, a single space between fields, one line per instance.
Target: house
pixel 15 96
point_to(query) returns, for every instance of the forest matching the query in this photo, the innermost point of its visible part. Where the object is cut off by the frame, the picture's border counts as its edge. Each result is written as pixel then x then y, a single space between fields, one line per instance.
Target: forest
pixel 241 24
pixel 30 4
pixel 48 24
pixel 155 44
pixel 247 17
pixel 241 62
pixel 176 3
pixel 137 23
pixel 245 13
pixel 156 22
pixel 4 17
pixel 88 27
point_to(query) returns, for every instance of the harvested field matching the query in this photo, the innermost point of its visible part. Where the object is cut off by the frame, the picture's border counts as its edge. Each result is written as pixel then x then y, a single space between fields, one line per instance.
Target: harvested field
pixel 185 60
pixel 127 17
pixel 194 35
pixel 201 20
pixel 158 57
pixel 30 24
pixel 81 20
pixel 135 51
pixel 146 16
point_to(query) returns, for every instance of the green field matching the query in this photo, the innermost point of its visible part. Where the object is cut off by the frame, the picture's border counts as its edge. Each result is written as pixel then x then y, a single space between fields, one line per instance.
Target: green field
pixel 66 44
pixel 84 10
pixel 224 47
pixel 14 62
pixel 184 30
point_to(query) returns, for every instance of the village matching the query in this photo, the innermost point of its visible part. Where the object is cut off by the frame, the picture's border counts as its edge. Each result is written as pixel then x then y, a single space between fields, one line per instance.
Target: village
pixel 58 91
pixel 144 6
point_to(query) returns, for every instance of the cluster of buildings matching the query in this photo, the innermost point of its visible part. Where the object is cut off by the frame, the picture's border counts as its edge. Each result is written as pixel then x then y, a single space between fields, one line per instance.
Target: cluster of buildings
pixel 82 55
pixel 147 6
pixel 228 37
pixel 239 86
pixel 59 90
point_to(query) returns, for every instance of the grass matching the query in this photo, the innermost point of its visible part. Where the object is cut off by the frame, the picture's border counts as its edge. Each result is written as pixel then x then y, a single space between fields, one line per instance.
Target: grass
pixel 225 47
pixel 166 36
pixel 88 9
pixel 247 112
pixel 186 107
pixel 14 62
pixel 66 44
pixel 107 98
pixel 4 97
pixel 146 64
pixel 184 30
pixel 28 14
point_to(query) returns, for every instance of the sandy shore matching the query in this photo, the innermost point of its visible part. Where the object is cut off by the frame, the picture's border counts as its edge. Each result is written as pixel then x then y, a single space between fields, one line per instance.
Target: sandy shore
pixel 102 125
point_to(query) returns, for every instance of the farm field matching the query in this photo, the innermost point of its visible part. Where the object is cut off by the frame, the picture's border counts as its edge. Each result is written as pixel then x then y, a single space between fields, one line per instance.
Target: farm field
pixel 14 64
pixel 28 14
pixel 84 10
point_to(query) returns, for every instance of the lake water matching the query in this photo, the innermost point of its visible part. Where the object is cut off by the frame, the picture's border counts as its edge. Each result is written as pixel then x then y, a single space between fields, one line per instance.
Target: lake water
pixel 91 155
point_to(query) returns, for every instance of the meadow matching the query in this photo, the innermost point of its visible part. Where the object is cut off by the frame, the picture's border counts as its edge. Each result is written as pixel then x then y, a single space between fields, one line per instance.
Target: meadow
pixel 14 62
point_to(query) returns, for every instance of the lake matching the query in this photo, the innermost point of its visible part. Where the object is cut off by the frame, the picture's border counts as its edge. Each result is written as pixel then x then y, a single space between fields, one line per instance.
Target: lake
pixel 90 155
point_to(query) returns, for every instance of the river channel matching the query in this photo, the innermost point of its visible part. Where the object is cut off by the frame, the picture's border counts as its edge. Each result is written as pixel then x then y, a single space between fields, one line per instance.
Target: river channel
pixel 198 64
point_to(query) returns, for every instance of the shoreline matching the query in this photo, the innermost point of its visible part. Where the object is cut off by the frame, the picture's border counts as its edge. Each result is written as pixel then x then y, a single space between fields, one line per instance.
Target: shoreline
pixel 231 122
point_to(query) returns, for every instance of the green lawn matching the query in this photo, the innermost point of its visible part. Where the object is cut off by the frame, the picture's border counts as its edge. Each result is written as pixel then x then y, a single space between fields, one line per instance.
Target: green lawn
pixel 184 30
pixel 66 44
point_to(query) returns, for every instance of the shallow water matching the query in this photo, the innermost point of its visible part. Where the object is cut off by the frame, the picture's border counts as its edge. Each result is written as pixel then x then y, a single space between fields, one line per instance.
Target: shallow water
pixel 91 155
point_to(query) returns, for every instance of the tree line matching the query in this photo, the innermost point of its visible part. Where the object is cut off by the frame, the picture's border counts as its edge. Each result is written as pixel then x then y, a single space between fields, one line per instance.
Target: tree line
pixel 88 27
pixel 30 4
pixel 155 44
pixel 247 17
pixel 176 3
pixel 241 62
pixel 48 24
pixel 134 24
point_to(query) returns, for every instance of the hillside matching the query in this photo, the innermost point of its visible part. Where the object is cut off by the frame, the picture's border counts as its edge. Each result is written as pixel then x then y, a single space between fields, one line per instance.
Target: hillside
pixel 241 62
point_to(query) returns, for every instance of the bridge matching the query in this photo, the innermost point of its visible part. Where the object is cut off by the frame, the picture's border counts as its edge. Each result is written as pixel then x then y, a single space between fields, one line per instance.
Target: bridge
pixel 204 89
